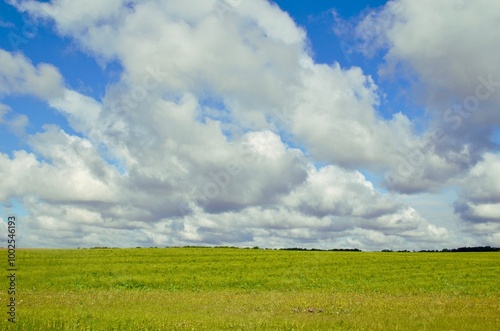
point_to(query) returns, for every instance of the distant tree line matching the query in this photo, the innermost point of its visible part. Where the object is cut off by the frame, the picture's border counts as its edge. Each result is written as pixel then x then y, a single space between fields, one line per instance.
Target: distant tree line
pixel 321 250
pixel 445 250
pixel 468 249
pixel 453 250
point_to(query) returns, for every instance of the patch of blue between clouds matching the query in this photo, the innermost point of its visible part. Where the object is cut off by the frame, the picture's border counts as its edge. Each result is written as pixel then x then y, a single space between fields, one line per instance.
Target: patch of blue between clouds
pixel 12 207
pixel 103 151
pixel 496 139
pixel 215 109
pixel 212 108
pixel 39 114
pixel 39 42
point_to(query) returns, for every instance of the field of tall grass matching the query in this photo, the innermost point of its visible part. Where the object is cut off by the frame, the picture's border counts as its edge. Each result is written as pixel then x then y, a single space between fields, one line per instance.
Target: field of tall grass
pixel 254 289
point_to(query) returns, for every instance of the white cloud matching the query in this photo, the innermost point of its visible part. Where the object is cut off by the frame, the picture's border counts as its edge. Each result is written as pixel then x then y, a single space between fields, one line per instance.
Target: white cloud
pixel 333 115
pixel 193 143
pixel 207 53
pixel 479 200
pixel 4 109
pixel 16 123
pixel 74 174
pixel 480 193
pixel 274 22
pixel 72 16
pixel 334 191
pixel 18 76
pixel 78 193
pixel 447 50
pixel 82 111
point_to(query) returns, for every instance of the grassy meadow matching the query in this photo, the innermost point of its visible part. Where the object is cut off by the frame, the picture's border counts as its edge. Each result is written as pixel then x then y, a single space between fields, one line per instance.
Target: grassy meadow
pixel 250 289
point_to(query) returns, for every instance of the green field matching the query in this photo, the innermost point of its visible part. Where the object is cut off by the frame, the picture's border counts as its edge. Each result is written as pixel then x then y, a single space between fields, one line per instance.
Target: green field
pixel 250 289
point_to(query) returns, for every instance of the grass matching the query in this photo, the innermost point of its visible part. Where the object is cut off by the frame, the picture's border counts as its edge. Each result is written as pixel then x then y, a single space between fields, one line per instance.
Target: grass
pixel 245 289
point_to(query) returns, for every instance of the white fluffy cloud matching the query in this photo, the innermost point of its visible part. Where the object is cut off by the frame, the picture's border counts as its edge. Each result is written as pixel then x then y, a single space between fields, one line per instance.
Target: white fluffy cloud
pixel 18 76
pixel 253 58
pixel 333 115
pixel 81 111
pixel 16 123
pixel 448 51
pixel 195 141
pixel 75 172
pixel 479 201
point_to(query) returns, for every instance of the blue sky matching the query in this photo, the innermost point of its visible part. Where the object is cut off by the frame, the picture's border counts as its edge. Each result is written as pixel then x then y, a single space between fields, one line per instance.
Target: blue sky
pixel 236 122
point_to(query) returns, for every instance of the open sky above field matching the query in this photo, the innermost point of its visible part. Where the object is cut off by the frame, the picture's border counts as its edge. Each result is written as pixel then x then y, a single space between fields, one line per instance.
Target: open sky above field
pixel 366 124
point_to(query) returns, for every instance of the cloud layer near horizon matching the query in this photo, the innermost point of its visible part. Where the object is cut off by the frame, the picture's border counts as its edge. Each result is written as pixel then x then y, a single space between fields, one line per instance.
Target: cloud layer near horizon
pixel 214 129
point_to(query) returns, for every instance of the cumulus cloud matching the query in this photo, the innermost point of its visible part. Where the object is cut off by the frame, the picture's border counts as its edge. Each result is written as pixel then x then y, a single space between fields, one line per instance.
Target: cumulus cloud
pixel 453 67
pixel 338 192
pixel 18 76
pixel 73 174
pixel 264 46
pixel 82 111
pixel 195 142
pixel 479 200
pixel 16 123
